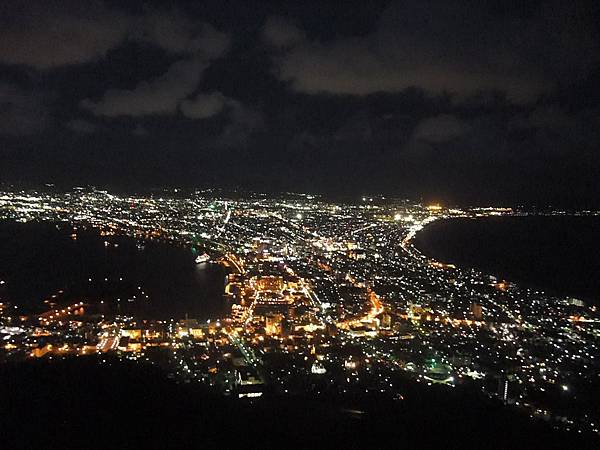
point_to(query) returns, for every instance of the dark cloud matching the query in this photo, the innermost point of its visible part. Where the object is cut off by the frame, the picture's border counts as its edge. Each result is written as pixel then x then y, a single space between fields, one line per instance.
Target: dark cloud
pixel 551 130
pixel 549 116
pixel 244 121
pixel 279 32
pixel 465 97
pixel 51 34
pixel 22 112
pixel 164 94
pixel 462 49
pixel 204 105
pixel 81 126
pixel 161 95
pixel 440 129
pixel 178 33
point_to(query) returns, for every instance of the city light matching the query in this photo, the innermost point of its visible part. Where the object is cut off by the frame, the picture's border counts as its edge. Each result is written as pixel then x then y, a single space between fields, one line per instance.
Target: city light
pixel 332 295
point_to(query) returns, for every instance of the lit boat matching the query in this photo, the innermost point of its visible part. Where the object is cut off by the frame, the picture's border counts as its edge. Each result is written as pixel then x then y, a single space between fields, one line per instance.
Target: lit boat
pixel 318 368
pixel 203 258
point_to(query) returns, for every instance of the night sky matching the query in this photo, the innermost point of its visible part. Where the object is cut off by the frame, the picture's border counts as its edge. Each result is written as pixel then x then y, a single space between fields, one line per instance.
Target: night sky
pixel 457 101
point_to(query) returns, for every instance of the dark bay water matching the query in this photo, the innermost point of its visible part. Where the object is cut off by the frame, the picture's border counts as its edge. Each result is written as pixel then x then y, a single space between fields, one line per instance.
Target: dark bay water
pixel 160 281
pixel 558 254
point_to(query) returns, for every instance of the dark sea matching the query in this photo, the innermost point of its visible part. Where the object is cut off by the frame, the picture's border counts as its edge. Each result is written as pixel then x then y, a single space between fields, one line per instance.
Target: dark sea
pixel 116 273
pixel 557 254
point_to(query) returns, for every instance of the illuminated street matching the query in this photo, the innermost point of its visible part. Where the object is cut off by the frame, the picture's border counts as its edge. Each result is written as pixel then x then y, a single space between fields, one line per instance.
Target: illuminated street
pixel 326 296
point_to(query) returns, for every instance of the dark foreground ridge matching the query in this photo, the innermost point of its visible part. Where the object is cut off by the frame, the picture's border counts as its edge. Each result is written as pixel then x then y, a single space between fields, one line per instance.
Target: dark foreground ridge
pixel 84 403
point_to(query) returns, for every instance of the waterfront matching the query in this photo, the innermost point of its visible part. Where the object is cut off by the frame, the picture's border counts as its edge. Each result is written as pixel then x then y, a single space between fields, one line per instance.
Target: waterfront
pixel 559 254
pixel 117 274
pixel 327 298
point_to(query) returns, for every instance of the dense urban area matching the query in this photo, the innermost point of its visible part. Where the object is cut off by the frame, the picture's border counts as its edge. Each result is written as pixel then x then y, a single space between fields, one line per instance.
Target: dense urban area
pixel 323 297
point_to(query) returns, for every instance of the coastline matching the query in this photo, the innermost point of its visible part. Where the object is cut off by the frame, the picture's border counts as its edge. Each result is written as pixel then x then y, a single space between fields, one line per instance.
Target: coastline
pixel 113 273
pixel 536 261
